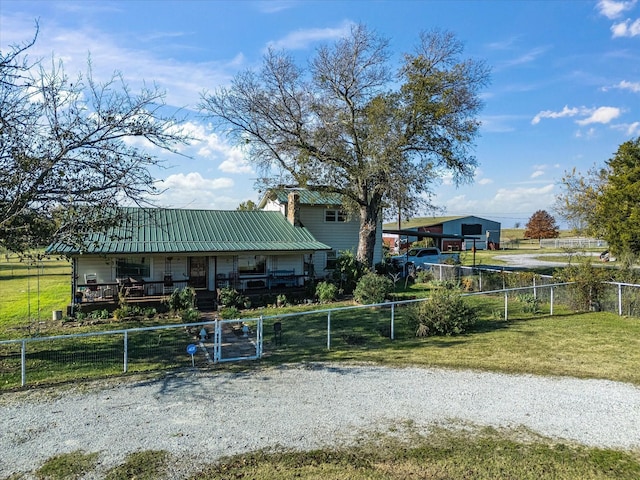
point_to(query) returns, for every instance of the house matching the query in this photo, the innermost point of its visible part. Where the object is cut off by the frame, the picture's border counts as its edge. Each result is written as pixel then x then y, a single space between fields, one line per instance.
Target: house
pixel 157 250
pixel 450 233
pixel 322 215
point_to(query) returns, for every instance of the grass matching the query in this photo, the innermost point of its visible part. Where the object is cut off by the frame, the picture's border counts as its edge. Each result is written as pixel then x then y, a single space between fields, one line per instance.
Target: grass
pixel 31 292
pixel 460 452
pixel 480 454
pixel 593 345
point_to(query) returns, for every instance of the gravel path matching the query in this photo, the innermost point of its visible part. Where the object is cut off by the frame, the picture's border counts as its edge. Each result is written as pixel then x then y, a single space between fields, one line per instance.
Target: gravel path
pixel 523 260
pixel 207 415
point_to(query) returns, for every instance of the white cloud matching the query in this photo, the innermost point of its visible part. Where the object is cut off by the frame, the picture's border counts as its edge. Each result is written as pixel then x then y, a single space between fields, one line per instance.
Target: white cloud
pixel 601 115
pixel 526 58
pixel 275 6
pixel 633 129
pixel 523 199
pixel 626 28
pixel 592 115
pixel 181 80
pixel 301 39
pixel 537 173
pixel 614 9
pixel 460 203
pixel 485 181
pixel 192 190
pixel 590 133
pixel 565 112
pixel 632 86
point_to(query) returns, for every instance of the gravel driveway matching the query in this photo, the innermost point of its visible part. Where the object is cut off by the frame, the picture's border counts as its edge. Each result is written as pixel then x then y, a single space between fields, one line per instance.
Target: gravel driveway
pixel 206 415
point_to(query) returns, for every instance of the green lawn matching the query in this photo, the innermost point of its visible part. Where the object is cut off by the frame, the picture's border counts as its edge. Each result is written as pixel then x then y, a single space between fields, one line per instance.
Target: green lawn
pixel 591 345
pixel 31 292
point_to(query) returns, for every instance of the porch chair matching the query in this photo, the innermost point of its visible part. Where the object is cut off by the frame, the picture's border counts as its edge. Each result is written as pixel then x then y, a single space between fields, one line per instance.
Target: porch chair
pixel 91 279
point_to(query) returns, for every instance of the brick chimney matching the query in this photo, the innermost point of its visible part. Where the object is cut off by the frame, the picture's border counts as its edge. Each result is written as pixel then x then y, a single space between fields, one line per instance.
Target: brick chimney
pixel 293 209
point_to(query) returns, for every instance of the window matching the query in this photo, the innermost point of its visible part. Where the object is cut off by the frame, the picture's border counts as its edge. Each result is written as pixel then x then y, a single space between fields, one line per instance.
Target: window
pixel 471 229
pixel 133 267
pixel 331 259
pixel 335 216
pixel 252 264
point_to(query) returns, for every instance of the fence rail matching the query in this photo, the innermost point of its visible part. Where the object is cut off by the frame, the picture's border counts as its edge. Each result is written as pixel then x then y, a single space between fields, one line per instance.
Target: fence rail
pixel 574 242
pixel 84 355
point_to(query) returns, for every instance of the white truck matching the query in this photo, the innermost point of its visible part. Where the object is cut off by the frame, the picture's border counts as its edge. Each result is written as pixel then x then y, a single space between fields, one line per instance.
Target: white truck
pixel 419 257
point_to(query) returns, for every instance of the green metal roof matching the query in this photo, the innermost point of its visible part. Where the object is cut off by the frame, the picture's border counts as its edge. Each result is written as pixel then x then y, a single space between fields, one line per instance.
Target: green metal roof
pixel 307 197
pixel 157 230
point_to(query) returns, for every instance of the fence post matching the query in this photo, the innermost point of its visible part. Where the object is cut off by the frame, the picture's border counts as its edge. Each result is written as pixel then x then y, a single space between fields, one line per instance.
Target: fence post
pixel 506 305
pixel 260 333
pixel 217 341
pixel 535 291
pixel 393 312
pixel 551 300
pixel 480 279
pixel 23 362
pixel 126 351
pixel 620 299
pixel 329 330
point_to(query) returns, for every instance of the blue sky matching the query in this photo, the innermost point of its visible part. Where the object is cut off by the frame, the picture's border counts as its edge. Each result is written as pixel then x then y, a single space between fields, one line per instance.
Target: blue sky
pixel 564 92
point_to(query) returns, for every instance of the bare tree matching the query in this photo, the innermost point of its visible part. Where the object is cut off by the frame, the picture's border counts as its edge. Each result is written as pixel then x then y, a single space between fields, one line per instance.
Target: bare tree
pixel 349 125
pixel 67 152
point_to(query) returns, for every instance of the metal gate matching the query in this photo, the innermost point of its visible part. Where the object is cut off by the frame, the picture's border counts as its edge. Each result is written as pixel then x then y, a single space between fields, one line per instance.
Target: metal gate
pixel 235 340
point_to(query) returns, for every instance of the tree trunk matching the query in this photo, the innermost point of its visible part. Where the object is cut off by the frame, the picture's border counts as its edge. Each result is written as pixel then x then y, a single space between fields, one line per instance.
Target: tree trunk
pixel 367 237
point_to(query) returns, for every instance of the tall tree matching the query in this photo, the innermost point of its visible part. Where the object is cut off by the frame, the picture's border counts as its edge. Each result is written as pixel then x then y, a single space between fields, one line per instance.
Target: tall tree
pixel 606 201
pixel 70 150
pixel 577 202
pixel 617 213
pixel 541 225
pixel 348 125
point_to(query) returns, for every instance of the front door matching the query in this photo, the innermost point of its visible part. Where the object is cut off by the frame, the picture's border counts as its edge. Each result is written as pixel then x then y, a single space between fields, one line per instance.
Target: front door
pixel 198 272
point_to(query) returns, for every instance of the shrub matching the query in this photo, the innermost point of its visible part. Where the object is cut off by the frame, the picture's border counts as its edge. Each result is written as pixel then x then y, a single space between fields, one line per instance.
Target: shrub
pixel 444 313
pixel 230 297
pixel 281 300
pixel 588 289
pixel 229 313
pixel 326 292
pixel 531 303
pixel 424 276
pixel 190 315
pixel 182 299
pixel 348 271
pixel 372 288
pixel 100 314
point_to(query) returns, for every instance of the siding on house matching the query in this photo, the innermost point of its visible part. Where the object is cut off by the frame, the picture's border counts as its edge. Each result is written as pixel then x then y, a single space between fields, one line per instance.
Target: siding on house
pixel 205 248
pixel 340 236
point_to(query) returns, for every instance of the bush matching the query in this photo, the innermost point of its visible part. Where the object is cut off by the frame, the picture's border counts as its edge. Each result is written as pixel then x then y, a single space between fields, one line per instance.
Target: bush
pixel 588 288
pixel 424 276
pixel 444 313
pixel 326 292
pixel 348 271
pixel 372 288
pixel 182 299
pixel 531 303
pixel 230 297
pixel 229 313
pixel 100 314
pixel 190 315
